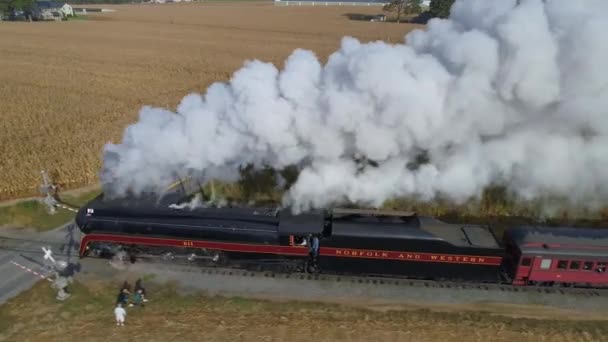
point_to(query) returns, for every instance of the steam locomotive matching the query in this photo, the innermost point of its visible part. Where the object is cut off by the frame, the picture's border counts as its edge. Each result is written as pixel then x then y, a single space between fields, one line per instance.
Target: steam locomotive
pixel 346 241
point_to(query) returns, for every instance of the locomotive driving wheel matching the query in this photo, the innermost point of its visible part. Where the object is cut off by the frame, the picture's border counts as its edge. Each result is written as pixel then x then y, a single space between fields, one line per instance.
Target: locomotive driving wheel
pixel 311 268
pixel 218 257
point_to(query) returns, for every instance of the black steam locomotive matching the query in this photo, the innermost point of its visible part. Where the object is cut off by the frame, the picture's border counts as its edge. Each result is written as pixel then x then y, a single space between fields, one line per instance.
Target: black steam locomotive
pixel 345 241
pixel 350 241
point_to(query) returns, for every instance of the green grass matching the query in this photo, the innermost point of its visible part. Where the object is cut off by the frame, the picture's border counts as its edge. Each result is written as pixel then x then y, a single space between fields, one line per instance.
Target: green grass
pixel 33 213
pixel 81 199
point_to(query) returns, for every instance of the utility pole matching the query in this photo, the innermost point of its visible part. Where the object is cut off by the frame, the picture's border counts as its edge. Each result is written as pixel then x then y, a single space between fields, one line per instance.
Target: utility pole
pixel 51 198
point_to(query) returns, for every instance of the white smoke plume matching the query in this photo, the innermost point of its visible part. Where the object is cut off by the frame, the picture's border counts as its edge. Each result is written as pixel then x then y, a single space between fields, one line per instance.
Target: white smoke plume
pixel 499 93
pixel 195 202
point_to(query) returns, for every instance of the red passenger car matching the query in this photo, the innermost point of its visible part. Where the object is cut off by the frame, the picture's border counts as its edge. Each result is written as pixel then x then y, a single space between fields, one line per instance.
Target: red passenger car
pixel 557 256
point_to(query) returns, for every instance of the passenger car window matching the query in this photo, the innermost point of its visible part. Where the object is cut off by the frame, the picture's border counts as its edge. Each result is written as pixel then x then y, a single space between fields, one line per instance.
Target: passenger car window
pixel 575 265
pixel 562 264
pixel 545 264
pixel 601 267
pixel 526 262
pixel 588 265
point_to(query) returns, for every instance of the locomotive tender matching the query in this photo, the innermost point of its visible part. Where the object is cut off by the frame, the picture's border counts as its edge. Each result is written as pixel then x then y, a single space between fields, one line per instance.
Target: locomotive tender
pixel 351 241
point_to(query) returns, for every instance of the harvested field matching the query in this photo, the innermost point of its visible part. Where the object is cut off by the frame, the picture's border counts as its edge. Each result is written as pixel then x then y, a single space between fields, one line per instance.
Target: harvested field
pixel 67 88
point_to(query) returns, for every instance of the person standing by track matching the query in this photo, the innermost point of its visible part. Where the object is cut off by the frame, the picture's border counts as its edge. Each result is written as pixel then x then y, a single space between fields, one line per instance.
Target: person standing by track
pixel 313 245
pixel 140 287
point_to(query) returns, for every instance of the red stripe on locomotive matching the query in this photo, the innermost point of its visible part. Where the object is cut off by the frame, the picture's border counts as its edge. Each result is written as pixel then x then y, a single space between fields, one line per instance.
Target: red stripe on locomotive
pixel 411 256
pixel 293 250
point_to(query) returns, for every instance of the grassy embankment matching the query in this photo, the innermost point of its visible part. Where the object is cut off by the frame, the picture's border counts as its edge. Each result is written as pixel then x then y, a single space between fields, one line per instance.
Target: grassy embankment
pixel 35 315
pixel 33 213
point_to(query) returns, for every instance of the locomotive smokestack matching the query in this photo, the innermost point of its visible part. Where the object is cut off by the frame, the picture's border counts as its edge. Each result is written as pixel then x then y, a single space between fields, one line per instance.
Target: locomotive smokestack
pixel 497 94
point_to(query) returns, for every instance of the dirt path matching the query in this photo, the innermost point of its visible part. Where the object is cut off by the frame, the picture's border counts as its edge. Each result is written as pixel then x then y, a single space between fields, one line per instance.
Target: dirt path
pixel 71 192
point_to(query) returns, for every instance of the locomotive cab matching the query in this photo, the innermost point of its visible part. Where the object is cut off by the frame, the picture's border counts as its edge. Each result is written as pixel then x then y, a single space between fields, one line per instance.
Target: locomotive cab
pixel 295 229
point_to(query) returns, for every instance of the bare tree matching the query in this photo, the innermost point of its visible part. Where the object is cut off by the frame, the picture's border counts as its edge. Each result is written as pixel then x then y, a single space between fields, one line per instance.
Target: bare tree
pixel 403 7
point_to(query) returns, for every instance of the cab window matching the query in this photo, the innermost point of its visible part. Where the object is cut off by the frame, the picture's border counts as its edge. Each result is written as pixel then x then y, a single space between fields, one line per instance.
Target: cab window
pixel 545 264
pixel 526 261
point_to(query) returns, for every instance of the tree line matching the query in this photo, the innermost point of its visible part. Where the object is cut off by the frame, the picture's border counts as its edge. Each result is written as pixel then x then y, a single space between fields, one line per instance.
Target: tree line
pixel 401 8
pixel 98 2
pixel 405 8
pixel 8 6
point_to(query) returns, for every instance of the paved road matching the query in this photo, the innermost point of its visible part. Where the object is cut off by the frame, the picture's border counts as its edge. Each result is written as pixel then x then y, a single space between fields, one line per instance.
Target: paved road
pixel 25 248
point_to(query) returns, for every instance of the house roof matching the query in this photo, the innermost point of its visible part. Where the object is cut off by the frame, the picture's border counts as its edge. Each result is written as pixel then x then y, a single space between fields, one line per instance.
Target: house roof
pixel 49 4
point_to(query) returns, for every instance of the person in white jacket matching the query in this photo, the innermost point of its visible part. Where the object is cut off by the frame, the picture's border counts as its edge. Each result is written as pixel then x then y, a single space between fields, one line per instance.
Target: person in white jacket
pixel 120 313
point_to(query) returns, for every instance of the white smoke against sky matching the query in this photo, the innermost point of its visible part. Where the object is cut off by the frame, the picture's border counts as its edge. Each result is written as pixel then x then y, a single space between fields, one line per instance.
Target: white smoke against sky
pixel 499 93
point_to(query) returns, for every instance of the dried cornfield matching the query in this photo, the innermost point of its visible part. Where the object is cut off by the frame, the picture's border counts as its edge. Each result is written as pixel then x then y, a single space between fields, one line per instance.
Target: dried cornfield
pixel 67 88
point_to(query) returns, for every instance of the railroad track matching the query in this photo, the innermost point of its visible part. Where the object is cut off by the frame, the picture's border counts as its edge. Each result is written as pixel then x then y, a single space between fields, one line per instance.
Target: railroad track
pixel 26 246
pixel 386 281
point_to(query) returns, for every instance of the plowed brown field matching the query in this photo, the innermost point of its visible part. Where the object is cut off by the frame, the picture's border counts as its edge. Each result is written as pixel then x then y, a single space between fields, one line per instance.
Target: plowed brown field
pixel 67 88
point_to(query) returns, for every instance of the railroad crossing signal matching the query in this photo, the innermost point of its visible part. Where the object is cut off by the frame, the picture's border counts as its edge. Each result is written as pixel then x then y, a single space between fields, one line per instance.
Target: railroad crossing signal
pixel 48 254
pixel 49 190
pixel 61 282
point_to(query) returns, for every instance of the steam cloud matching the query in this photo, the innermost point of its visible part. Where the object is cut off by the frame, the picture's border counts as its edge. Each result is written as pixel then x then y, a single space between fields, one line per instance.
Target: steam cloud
pixel 499 93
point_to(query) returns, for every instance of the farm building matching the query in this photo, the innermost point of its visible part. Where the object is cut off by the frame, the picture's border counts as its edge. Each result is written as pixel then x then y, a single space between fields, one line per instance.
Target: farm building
pixel 331 2
pixel 47 10
pixel 67 10
pixel 51 10
pixel 424 3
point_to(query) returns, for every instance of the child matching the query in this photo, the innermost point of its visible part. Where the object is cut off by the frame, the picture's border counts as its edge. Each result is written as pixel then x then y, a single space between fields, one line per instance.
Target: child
pixel 120 313
pixel 138 298
pixel 123 297
pixel 140 287
pixel 126 286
